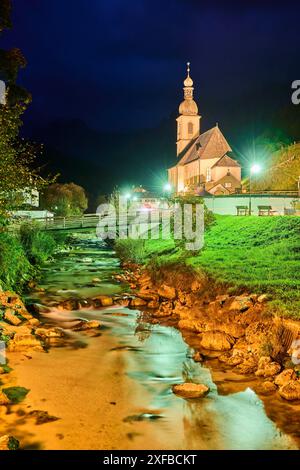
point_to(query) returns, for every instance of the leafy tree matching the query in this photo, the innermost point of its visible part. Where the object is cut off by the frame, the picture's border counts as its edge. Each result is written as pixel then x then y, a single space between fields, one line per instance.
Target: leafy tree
pixel 17 156
pixel 64 199
pixel 16 160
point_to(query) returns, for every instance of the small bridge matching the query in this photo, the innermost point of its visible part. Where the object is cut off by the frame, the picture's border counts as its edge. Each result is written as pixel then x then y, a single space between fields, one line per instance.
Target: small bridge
pixel 61 223
pixel 74 223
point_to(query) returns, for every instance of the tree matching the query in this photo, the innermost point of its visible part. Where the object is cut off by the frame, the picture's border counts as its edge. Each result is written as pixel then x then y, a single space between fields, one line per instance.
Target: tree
pixel 17 156
pixel 64 199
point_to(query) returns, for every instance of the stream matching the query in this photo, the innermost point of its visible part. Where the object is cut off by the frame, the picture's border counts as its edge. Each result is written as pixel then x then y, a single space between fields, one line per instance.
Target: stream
pixel 111 389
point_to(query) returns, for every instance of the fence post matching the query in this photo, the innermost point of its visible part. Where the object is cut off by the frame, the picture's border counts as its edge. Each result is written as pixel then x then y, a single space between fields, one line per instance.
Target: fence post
pixel 64 222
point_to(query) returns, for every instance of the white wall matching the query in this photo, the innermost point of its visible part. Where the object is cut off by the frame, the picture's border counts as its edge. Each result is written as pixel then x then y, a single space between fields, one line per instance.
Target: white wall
pixel 226 205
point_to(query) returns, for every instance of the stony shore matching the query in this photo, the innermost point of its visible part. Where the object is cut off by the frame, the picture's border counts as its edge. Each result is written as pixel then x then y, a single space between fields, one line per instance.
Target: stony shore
pixel 23 333
pixel 237 329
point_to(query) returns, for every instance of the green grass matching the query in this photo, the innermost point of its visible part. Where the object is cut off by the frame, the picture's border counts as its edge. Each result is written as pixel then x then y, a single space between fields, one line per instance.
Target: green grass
pixel 258 254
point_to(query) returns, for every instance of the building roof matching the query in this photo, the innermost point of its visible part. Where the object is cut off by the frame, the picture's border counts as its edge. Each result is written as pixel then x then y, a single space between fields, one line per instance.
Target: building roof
pixel 229 178
pixel 226 161
pixel 203 193
pixel 211 144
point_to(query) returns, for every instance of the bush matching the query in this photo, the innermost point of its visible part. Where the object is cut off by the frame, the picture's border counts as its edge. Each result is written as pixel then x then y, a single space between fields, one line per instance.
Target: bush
pixel 130 250
pixel 15 269
pixel 38 244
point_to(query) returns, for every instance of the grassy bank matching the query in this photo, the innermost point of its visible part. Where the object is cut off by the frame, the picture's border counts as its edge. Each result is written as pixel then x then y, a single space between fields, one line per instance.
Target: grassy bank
pixel 260 254
pixel 22 254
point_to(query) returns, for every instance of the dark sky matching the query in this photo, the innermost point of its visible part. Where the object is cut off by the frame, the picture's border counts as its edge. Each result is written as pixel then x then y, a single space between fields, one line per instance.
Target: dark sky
pixel 119 64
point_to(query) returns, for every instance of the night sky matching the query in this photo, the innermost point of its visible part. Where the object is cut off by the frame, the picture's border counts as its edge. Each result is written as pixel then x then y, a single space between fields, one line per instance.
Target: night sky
pixel 114 69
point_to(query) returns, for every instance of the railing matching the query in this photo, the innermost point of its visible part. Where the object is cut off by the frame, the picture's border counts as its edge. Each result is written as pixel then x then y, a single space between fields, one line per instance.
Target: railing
pixel 61 223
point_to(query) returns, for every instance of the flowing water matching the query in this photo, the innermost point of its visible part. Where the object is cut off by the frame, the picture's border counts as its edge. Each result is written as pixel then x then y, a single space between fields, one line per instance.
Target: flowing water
pixel 113 390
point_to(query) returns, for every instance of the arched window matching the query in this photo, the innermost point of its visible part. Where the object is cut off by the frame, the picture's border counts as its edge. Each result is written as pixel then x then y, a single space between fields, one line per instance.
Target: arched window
pixel 190 128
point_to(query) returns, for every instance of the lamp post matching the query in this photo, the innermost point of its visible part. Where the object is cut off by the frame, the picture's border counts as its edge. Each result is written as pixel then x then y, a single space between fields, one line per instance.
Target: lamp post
pixel 254 169
pixel 167 188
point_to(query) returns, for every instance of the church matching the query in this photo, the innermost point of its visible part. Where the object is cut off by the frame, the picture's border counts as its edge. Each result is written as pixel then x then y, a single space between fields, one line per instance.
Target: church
pixel 203 164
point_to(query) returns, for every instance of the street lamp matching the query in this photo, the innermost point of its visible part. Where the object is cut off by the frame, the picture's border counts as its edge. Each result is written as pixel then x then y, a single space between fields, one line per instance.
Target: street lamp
pixel 254 170
pixel 167 187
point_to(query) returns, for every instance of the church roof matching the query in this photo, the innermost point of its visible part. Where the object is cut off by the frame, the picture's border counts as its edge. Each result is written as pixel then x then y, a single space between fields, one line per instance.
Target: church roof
pixel 229 178
pixel 211 144
pixel 227 162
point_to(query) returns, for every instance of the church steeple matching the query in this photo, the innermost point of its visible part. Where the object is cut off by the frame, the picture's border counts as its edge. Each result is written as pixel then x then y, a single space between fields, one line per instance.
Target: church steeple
pixel 188 123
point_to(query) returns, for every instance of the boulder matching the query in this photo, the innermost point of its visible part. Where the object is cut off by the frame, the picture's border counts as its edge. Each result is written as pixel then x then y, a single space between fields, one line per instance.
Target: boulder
pixel 124 302
pixel 198 357
pixel 167 292
pixel 248 366
pixel 192 325
pixel 104 300
pixel 153 304
pixel 185 299
pixel 165 310
pixel 257 333
pixel 216 340
pixel 11 318
pixel 267 367
pixel 3 399
pixel 222 298
pixel 190 390
pixel 50 332
pixel 34 322
pixel 137 302
pixel 87 325
pixel 148 295
pixel 233 329
pixel 232 359
pixel 291 390
pixel 24 342
pixel 96 280
pixel 70 304
pixel 262 298
pixel 241 303
pixel 196 286
pixel 8 443
pixel 266 388
pixel 285 377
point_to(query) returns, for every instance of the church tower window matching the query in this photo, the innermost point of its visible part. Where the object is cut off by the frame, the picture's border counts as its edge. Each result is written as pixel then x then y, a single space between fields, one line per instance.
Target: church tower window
pixel 190 128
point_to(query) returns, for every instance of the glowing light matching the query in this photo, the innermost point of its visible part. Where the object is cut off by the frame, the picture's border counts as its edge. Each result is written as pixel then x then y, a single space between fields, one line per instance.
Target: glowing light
pixel 167 187
pixel 256 168
pixel 127 195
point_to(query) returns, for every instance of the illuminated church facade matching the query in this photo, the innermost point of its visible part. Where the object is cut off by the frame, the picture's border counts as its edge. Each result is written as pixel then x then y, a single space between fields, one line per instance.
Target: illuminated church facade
pixel 203 162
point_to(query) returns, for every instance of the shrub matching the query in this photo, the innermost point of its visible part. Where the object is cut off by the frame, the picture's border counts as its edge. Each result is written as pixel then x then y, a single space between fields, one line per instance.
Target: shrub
pixel 130 250
pixel 15 269
pixel 38 244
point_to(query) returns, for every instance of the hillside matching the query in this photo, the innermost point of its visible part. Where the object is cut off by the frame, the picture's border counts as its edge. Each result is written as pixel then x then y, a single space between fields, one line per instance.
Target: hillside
pixel 280 171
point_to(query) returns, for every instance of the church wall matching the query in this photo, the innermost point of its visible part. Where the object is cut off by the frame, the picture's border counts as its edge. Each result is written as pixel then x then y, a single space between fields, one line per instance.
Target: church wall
pixel 207 163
